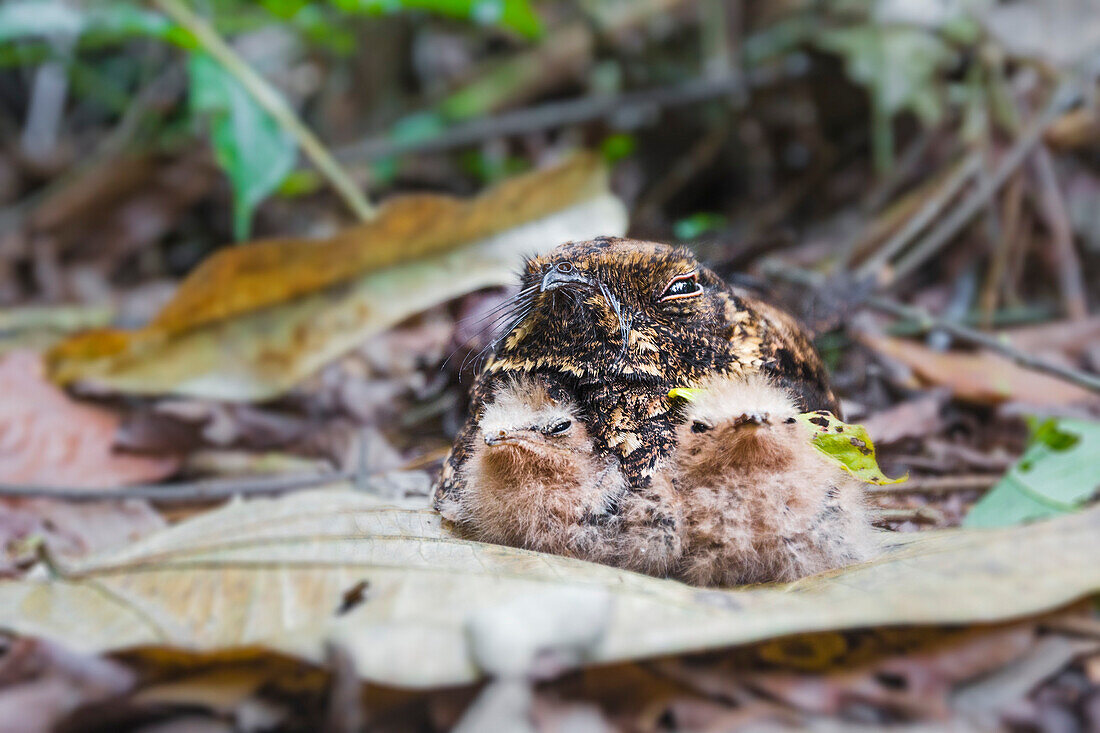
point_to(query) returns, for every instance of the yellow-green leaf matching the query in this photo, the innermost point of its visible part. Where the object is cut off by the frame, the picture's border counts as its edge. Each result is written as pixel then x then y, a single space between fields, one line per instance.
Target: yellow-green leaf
pixel 848 445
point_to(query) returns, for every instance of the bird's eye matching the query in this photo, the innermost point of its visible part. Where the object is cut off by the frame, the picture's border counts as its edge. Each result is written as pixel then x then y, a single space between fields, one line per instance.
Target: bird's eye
pixel 559 427
pixel 681 287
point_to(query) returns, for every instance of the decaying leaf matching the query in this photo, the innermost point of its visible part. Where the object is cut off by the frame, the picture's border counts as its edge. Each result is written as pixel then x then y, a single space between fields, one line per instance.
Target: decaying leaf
pixel 47 438
pixel 1058 473
pixel 277 573
pixel 252 321
pixel 848 445
pixel 981 377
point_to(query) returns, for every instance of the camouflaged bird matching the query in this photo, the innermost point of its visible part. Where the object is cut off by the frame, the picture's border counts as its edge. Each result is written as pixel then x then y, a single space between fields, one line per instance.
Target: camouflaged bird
pixel 613 324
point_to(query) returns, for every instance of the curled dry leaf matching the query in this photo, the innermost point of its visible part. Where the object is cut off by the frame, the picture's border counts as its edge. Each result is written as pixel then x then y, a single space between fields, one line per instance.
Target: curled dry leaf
pixel 48 438
pixel 253 321
pixel 393 589
pixel 981 377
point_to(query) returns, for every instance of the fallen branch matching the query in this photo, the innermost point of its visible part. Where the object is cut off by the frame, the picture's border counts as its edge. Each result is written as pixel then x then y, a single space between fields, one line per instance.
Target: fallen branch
pixel 191 492
pixel 574 111
pixel 927 322
pixel 268 98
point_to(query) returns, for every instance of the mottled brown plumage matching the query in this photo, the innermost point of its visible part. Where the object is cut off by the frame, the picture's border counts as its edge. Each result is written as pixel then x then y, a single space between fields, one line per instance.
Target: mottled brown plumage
pixel 614 324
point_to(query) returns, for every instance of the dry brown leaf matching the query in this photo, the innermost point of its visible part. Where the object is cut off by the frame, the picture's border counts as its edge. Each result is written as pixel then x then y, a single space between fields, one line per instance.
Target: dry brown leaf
pixel 48 438
pixel 913 418
pixel 981 376
pixel 253 321
pixel 390 587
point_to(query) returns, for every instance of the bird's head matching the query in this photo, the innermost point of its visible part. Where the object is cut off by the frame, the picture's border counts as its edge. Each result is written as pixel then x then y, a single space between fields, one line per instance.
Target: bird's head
pixel 524 422
pixel 614 307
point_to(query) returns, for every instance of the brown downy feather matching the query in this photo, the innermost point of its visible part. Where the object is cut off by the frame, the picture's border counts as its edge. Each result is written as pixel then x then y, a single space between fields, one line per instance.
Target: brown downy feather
pixel 534 480
pixel 761 504
pixel 535 484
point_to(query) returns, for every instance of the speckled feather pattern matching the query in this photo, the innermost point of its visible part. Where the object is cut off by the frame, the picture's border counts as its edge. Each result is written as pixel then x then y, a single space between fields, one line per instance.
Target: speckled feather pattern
pixel 617 355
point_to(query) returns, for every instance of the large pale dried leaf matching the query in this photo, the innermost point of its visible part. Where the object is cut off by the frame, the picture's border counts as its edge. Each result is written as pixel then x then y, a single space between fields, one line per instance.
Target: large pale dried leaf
pixel 252 321
pixel 47 438
pixel 277 573
pixel 981 376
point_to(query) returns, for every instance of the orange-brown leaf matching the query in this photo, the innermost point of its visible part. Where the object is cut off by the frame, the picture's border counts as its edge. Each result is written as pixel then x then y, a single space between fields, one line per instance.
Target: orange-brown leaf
pixel 982 377
pixel 47 438
pixel 263 273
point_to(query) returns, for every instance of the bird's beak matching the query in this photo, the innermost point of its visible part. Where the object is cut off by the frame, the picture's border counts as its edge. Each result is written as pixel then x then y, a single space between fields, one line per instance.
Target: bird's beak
pixel 500 437
pixel 557 278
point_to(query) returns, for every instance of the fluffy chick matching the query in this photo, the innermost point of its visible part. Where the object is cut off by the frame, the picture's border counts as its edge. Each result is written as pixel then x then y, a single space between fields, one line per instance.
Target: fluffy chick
pixel 761 503
pixel 535 481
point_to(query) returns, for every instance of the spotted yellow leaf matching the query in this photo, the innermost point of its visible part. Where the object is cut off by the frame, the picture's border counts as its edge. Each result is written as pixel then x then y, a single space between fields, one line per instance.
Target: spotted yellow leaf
pixel 848 445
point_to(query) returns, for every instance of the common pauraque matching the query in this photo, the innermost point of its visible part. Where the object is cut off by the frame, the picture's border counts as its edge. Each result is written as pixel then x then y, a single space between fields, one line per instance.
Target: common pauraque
pixel 614 324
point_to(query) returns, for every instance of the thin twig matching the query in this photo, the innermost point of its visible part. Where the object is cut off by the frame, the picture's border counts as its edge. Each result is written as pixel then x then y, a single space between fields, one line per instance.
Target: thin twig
pixel 937 485
pixel 776 269
pixel 632 105
pixel 191 492
pixel 268 98
pixel 993 343
pixel 932 208
pixel 924 514
pixel 1053 206
pixel 987 187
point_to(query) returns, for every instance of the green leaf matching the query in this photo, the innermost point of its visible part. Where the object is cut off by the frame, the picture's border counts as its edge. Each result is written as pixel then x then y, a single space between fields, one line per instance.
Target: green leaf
pixel 253 150
pixel 684 393
pixel 617 146
pixel 698 224
pixel 516 15
pixel 899 66
pixel 1058 473
pixel 848 445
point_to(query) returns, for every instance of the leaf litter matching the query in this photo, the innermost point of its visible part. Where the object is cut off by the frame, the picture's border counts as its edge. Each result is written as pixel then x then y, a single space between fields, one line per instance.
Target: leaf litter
pixel 111 235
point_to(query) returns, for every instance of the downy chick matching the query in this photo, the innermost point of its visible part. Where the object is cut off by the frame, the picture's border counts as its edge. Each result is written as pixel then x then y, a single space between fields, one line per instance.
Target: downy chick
pixel 533 478
pixel 761 503
pixel 535 481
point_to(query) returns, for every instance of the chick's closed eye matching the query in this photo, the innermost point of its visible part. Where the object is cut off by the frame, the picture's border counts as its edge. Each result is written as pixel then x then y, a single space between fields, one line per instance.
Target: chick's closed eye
pixel 558 428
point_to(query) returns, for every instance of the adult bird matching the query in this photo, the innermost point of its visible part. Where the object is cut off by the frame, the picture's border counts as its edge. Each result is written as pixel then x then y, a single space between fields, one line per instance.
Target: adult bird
pixel 613 325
